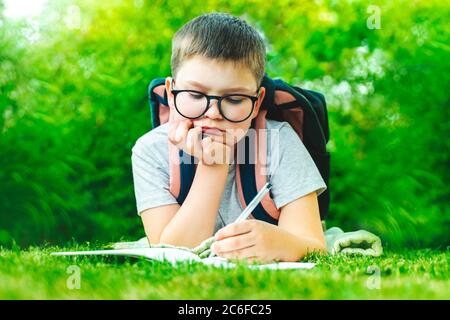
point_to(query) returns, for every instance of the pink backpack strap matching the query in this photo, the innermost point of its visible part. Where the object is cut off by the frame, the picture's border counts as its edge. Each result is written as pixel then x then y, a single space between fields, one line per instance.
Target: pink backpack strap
pixel 260 167
pixel 174 165
pixel 294 116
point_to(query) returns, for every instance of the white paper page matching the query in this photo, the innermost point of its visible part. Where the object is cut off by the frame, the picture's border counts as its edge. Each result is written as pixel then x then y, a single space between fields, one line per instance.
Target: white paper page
pixel 285 265
pixel 162 254
pixel 222 262
pixel 174 255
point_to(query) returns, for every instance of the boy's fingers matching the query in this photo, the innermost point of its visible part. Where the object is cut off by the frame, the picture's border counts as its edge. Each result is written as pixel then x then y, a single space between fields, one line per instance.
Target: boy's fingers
pixel 207 151
pixel 227 139
pixel 234 229
pixel 206 141
pixel 222 152
pixel 178 131
pixel 218 138
pixel 240 254
pixel 193 143
pixel 234 243
pixel 215 152
pixel 182 130
pixel 206 144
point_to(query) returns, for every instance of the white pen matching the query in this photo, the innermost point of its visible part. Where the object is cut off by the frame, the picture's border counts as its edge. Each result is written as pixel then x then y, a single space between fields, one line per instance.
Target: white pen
pixel 251 206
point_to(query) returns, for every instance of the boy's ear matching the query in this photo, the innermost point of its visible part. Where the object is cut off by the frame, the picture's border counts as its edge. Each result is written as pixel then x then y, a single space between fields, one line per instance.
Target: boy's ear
pixel 168 85
pixel 262 94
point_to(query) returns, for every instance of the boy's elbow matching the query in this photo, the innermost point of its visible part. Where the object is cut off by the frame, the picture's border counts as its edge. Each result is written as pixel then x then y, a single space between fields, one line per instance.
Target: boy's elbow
pixel 318 247
pixel 321 246
pixel 322 249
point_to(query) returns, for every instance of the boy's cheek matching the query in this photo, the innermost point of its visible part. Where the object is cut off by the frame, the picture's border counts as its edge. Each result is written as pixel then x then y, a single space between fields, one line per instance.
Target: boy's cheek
pixel 174 113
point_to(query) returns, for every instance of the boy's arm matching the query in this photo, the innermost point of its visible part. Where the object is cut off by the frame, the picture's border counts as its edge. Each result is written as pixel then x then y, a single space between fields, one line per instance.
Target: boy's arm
pixel 298 232
pixel 156 219
pixel 301 218
pixel 195 219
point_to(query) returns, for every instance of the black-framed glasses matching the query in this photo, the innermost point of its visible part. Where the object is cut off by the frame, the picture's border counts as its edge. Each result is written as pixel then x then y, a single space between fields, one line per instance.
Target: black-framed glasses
pixel 193 104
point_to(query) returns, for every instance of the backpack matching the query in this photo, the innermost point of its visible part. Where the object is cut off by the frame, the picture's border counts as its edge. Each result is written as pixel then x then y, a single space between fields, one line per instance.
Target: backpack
pixel 306 112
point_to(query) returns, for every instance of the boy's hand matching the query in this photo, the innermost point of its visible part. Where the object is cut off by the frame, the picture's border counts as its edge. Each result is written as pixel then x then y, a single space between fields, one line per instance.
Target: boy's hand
pixel 209 150
pixel 185 137
pixel 252 240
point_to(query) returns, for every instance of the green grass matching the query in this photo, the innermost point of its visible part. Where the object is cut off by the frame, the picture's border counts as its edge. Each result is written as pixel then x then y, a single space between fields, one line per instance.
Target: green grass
pixel 410 274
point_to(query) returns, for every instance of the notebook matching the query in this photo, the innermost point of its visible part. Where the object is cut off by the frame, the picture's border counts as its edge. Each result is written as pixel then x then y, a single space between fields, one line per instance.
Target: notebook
pixel 174 255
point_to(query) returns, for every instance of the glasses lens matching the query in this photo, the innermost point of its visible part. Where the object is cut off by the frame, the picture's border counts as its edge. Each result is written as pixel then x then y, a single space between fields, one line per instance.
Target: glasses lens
pixel 236 108
pixel 191 104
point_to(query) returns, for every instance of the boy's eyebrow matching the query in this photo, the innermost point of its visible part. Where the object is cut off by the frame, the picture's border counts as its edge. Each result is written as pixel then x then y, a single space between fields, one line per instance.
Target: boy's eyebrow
pixel 235 89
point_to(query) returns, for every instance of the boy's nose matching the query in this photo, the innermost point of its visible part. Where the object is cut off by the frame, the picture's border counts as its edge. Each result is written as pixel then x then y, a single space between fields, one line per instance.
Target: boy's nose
pixel 213 110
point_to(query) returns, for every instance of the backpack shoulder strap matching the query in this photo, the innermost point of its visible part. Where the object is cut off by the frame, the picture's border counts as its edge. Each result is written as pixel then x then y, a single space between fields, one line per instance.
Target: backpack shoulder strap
pixel 159 107
pixel 187 169
pixel 251 172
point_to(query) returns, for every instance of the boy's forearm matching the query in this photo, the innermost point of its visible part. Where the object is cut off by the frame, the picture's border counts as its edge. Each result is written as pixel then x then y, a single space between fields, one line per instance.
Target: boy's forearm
pixel 294 248
pixel 196 218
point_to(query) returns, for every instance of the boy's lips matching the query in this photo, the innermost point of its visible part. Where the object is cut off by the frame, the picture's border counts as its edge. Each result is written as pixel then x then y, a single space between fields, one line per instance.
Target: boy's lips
pixel 213 131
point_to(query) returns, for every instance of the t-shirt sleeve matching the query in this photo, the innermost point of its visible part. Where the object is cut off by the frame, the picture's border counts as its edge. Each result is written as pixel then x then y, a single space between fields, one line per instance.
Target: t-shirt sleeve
pixel 293 171
pixel 150 178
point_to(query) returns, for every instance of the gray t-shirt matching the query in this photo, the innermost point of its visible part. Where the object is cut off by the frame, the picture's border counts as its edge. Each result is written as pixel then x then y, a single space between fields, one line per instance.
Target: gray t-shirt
pixel 293 173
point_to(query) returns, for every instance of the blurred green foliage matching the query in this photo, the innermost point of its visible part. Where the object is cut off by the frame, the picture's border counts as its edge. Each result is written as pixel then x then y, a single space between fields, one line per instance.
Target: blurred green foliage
pixel 73 101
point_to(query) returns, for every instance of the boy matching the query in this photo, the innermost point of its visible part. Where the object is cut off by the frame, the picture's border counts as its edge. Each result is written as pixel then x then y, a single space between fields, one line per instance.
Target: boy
pixel 218 54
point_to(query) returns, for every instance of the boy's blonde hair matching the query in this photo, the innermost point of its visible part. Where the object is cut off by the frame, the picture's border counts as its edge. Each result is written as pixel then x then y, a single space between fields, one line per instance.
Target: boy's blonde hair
pixel 223 37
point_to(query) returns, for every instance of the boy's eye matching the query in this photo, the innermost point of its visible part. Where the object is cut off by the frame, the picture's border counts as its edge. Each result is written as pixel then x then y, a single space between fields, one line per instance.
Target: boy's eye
pixel 234 100
pixel 196 96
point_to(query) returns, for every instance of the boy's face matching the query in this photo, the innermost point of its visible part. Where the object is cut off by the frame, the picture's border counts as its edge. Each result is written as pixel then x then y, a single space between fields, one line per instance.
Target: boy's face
pixel 216 78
